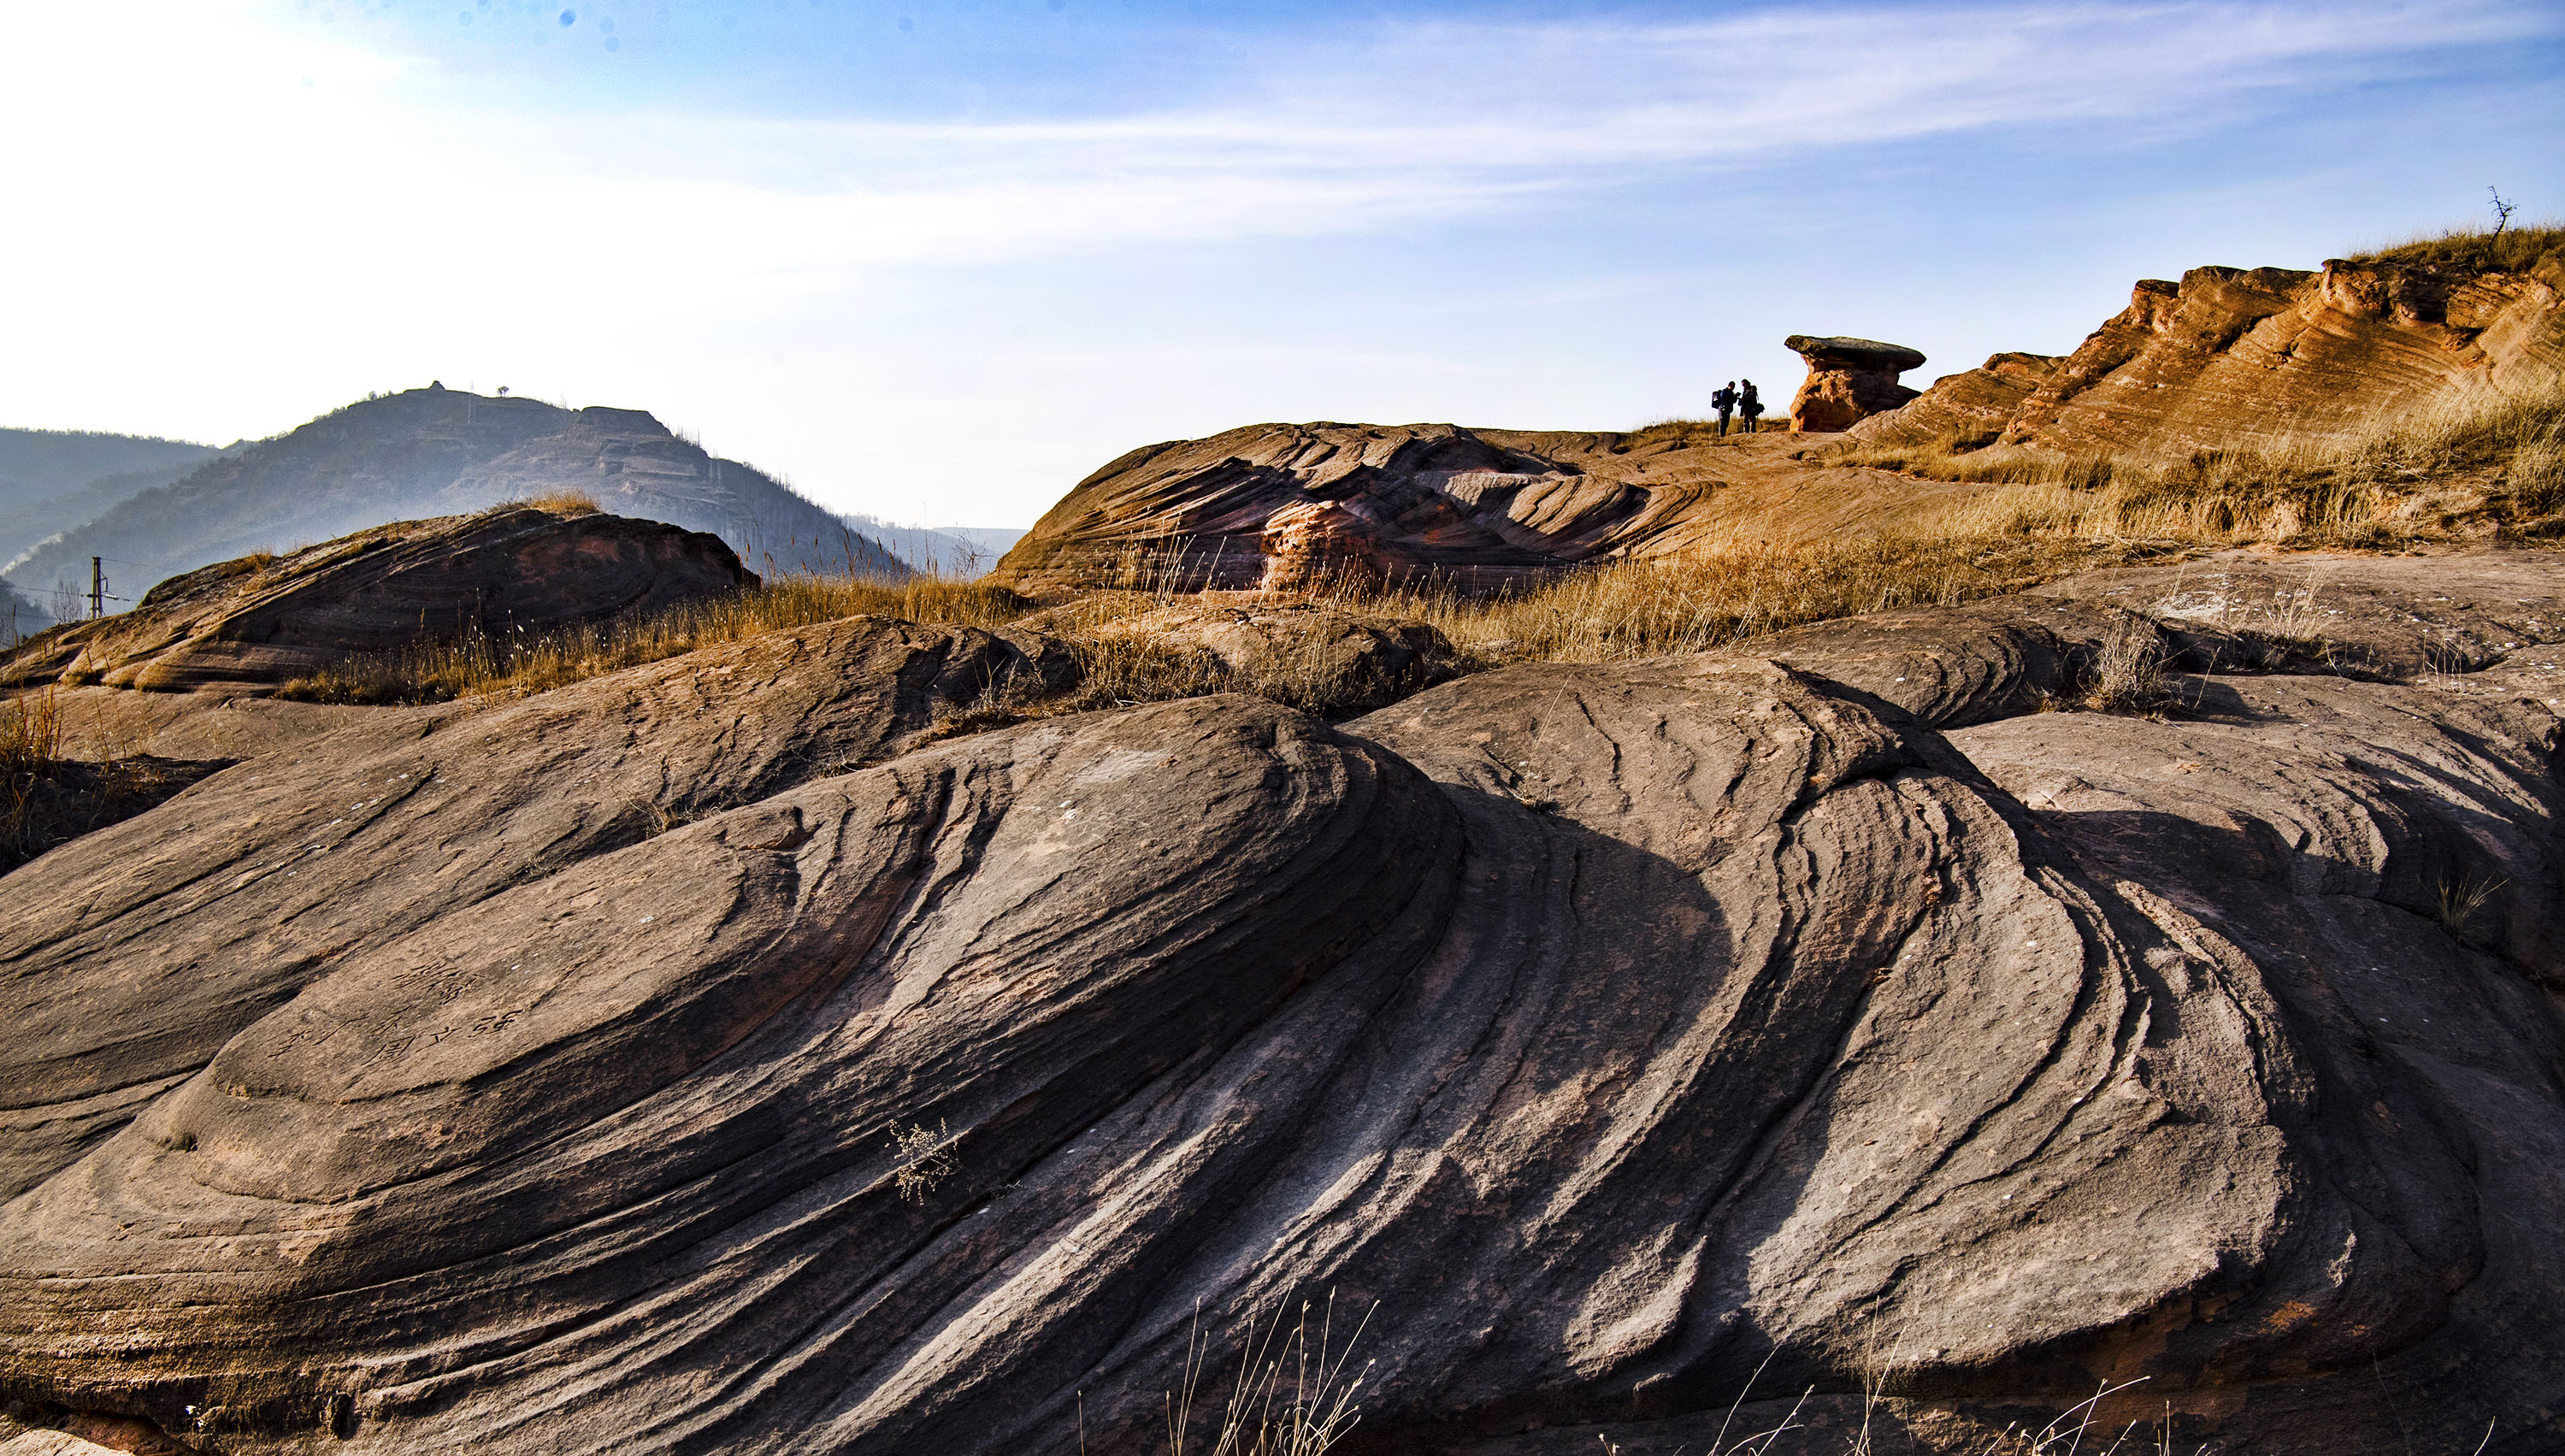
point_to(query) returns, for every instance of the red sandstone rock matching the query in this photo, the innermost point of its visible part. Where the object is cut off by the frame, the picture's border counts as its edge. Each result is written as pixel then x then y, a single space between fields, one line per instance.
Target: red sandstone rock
pixel 1848 380
pixel 2231 357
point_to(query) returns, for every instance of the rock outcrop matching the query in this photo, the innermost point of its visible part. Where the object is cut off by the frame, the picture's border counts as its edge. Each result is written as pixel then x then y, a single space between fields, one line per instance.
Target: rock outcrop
pixel 1321 659
pixel 644 1067
pixel 255 623
pixel 1290 506
pixel 1849 380
pixel 2237 358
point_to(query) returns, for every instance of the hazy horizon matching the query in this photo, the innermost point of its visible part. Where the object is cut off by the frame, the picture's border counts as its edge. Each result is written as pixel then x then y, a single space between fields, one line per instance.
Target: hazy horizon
pixel 934 262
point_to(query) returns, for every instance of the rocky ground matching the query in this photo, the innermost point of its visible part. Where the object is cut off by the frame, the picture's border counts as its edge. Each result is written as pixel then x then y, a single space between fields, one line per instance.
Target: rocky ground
pixel 722 1055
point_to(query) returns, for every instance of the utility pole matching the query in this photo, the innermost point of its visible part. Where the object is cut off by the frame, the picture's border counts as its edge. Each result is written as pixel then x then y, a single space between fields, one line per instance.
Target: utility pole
pixel 97 589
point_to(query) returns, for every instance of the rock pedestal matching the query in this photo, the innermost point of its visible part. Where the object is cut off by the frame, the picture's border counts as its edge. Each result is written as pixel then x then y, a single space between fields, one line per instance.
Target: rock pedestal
pixel 1848 380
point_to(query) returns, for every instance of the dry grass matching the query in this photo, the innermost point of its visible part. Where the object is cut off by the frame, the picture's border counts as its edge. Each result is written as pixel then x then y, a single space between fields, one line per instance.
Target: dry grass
pixel 47 799
pixel 2474 250
pixel 1294 1398
pixel 1653 606
pixel 534 662
pixel 2130 674
pixel 556 502
pixel 2494 462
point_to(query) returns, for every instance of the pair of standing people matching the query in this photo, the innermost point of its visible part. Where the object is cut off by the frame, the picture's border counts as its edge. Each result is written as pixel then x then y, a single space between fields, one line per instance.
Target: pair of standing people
pixel 1730 399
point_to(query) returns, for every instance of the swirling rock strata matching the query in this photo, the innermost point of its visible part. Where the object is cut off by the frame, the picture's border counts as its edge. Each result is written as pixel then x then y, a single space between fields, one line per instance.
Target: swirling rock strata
pixel 1622 1038
pixel 135 953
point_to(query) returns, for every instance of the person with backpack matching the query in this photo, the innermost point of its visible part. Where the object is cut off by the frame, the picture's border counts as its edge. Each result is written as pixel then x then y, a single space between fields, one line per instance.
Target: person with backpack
pixel 1749 405
pixel 1723 399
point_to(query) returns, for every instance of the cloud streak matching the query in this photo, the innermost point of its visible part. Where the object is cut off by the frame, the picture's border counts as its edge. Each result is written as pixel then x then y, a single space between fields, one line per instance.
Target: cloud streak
pixel 233 212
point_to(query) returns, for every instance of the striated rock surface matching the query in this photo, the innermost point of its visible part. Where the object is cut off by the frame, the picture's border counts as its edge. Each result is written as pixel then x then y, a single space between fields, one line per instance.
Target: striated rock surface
pixel 1849 380
pixel 2232 357
pixel 1611 1034
pixel 131 956
pixel 255 623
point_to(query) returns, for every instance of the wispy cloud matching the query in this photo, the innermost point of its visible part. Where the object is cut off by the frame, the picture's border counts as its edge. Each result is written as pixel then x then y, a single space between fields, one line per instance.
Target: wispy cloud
pixel 220 208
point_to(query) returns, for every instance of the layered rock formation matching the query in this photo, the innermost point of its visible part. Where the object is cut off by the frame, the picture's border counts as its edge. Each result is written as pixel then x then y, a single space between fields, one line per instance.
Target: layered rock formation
pixel 2234 358
pixel 1295 505
pixel 1849 380
pixel 636 1069
pixel 439 452
pixel 255 623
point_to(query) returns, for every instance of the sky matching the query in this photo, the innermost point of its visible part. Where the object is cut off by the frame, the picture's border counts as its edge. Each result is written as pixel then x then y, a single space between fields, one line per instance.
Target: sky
pixel 936 260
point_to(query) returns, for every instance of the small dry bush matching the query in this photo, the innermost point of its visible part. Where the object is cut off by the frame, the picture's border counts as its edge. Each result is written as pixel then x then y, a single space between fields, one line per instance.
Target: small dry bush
pixel 925 1160
pixel 524 662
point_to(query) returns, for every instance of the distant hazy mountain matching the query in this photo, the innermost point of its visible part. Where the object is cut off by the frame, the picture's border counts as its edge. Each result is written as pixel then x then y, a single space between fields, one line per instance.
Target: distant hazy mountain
pixel 439 452
pixel 53 480
pixel 959 552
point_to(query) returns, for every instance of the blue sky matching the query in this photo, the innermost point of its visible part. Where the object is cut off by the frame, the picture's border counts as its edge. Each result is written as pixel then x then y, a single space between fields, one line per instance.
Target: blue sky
pixel 934 260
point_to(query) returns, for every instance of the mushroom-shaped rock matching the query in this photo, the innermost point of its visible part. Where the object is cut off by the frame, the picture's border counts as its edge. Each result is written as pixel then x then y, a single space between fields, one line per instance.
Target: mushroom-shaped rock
pixel 1848 380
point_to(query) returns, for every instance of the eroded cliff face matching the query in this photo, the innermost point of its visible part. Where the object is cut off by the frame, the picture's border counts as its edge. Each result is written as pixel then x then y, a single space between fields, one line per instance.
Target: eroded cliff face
pixel 2234 358
pixel 683 1062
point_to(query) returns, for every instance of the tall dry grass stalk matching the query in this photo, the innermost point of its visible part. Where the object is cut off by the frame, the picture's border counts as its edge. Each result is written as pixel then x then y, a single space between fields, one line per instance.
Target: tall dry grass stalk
pixel 1292 1398
pixel 31 732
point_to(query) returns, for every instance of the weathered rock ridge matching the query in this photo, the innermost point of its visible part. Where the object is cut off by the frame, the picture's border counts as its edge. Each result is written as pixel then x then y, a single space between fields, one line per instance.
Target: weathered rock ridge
pixel 256 624
pixel 2231 358
pixel 549 1078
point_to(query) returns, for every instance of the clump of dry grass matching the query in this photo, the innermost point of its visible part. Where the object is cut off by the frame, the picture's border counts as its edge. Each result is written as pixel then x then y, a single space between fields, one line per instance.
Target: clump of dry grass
pixel 524 662
pixel 560 502
pixel 47 798
pixel 2474 250
pixel 2130 674
pixel 1295 1398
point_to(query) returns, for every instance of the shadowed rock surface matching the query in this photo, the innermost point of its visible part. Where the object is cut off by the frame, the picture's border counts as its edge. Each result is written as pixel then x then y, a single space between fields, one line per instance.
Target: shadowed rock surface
pixel 1611 1032
pixel 257 623
pixel 2232 357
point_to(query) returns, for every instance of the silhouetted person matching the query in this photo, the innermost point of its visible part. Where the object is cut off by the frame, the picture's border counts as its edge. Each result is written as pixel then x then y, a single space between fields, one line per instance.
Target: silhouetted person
pixel 1724 401
pixel 1749 405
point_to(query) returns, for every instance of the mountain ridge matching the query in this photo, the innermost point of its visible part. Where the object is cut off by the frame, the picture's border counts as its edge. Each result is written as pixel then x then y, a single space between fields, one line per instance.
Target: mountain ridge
pixel 432 451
